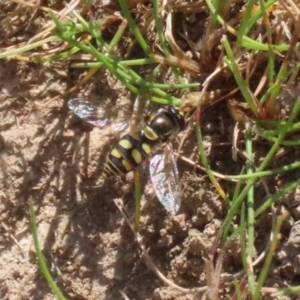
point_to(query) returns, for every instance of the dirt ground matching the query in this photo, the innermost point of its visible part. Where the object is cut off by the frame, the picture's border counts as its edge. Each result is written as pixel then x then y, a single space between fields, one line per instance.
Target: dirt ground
pixel 51 157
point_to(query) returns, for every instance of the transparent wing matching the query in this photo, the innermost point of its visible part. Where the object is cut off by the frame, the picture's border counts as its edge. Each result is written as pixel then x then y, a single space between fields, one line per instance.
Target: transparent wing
pixel 165 181
pixel 91 112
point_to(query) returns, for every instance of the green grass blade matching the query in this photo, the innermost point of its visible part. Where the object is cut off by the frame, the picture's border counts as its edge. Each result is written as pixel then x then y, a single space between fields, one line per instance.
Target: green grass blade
pixel 231 63
pixel 267 263
pixel 28 47
pixel 271 172
pixel 285 190
pixel 245 26
pixel 250 211
pixel 134 29
pixel 205 162
pixel 40 256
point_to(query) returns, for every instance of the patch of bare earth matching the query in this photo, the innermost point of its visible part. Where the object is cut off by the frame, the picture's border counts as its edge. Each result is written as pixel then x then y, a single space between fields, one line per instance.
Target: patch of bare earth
pixel 49 156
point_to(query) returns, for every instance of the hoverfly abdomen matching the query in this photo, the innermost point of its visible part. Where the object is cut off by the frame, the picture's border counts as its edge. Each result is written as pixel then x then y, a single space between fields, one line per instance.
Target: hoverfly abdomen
pixel 131 150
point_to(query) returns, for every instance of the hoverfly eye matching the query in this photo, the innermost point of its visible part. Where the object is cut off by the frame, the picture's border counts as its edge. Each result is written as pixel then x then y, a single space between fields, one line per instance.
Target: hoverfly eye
pixel 177 117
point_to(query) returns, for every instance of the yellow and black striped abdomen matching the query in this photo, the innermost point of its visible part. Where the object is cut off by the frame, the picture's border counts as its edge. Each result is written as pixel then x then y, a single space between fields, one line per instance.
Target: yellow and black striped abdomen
pixel 131 150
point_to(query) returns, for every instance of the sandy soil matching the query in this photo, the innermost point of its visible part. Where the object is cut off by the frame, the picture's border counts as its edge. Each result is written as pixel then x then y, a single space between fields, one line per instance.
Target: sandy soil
pixel 51 157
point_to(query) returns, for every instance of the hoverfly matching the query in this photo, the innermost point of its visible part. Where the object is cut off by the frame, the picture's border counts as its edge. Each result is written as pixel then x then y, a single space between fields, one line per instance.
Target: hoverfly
pixel 133 148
